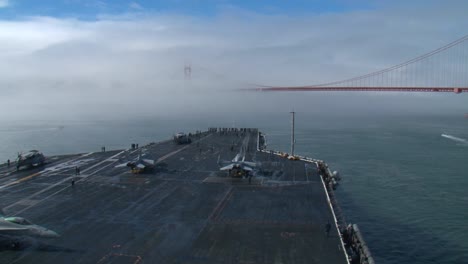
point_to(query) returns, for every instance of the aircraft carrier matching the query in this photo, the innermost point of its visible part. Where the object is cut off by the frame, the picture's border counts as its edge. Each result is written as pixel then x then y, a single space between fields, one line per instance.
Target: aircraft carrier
pixel 184 211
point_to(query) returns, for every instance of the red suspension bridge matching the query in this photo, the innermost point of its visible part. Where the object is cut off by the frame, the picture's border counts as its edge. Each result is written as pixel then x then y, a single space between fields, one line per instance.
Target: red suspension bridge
pixel 442 70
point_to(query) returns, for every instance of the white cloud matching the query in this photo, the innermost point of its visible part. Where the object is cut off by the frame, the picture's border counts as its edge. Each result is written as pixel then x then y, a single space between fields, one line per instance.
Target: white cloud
pixel 4 3
pixel 27 36
pixel 135 5
pixel 136 61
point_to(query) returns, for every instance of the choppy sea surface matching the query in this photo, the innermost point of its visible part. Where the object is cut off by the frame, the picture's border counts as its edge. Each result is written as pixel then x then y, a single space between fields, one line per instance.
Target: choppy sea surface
pixel 403 183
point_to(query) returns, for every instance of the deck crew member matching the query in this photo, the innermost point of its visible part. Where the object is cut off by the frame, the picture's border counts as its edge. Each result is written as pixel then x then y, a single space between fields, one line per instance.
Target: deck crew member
pixel 327 228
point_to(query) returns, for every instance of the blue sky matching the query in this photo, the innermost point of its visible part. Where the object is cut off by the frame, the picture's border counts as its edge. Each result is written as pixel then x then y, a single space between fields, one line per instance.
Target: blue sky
pixel 91 9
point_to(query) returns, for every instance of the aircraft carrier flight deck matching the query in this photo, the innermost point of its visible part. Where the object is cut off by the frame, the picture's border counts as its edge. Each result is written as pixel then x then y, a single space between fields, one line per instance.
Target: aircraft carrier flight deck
pixel 185 210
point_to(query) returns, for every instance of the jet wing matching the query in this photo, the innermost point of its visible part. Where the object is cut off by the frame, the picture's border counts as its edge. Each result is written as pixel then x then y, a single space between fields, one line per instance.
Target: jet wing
pixel 247 168
pixel 228 167
pixel 150 162
pixel 121 165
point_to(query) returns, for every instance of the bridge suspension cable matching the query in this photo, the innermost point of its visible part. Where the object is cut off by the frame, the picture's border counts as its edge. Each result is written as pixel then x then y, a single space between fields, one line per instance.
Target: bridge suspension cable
pixel 444 69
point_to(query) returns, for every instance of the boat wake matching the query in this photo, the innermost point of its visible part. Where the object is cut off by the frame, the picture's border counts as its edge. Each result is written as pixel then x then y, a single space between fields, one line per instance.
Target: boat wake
pixel 457 139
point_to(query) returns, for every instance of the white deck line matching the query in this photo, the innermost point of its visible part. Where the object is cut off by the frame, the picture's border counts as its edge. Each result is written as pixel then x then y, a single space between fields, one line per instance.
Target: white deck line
pixel 177 151
pixel 110 159
pixel 326 192
pixel 56 184
pixel 336 221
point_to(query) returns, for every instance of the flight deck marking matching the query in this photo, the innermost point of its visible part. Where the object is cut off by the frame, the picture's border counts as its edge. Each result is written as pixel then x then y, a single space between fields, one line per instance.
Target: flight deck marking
pixel 220 206
pixel 58 183
pixel 177 151
pixel 141 199
pixel 44 171
pixel 111 159
pixel 67 179
pixel 35 194
pixel 86 176
pixel 106 160
pixel 101 168
pixel 171 154
pixel 26 178
pixel 108 256
pixel 20 180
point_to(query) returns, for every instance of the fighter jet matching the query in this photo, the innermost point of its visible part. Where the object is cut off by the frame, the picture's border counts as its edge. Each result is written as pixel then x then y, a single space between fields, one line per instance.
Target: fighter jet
pixel 139 165
pixel 17 233
pixel 19 226
pixel 239 167
pixel 30 159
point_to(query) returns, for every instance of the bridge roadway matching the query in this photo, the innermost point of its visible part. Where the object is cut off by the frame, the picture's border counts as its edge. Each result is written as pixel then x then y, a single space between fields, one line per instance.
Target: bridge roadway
pixel 456 90
pixel 186 211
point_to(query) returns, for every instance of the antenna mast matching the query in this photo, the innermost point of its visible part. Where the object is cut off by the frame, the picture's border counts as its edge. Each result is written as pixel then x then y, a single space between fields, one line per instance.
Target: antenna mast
pixel 292 133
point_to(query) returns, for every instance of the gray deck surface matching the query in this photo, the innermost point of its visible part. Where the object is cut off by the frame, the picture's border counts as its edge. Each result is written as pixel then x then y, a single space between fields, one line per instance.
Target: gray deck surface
pixel 187 211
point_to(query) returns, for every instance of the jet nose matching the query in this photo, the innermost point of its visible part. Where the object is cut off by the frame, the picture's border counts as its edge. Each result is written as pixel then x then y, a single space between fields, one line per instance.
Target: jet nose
pixel 45 233
pixel 50 234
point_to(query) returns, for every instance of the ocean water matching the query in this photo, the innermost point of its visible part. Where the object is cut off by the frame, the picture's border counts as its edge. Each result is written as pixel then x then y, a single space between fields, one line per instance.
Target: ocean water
pixel 404 184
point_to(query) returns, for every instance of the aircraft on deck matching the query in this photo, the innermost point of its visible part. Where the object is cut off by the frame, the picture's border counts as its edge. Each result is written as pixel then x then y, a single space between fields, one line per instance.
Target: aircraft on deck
pixel 16 232
pixel 239 167
pixel 139 165
pixel 30 159
pixel 182 138
pixel 19 226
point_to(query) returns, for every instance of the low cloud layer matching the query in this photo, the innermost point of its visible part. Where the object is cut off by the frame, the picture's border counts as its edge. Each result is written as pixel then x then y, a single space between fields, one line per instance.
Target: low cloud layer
pixel 133 64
